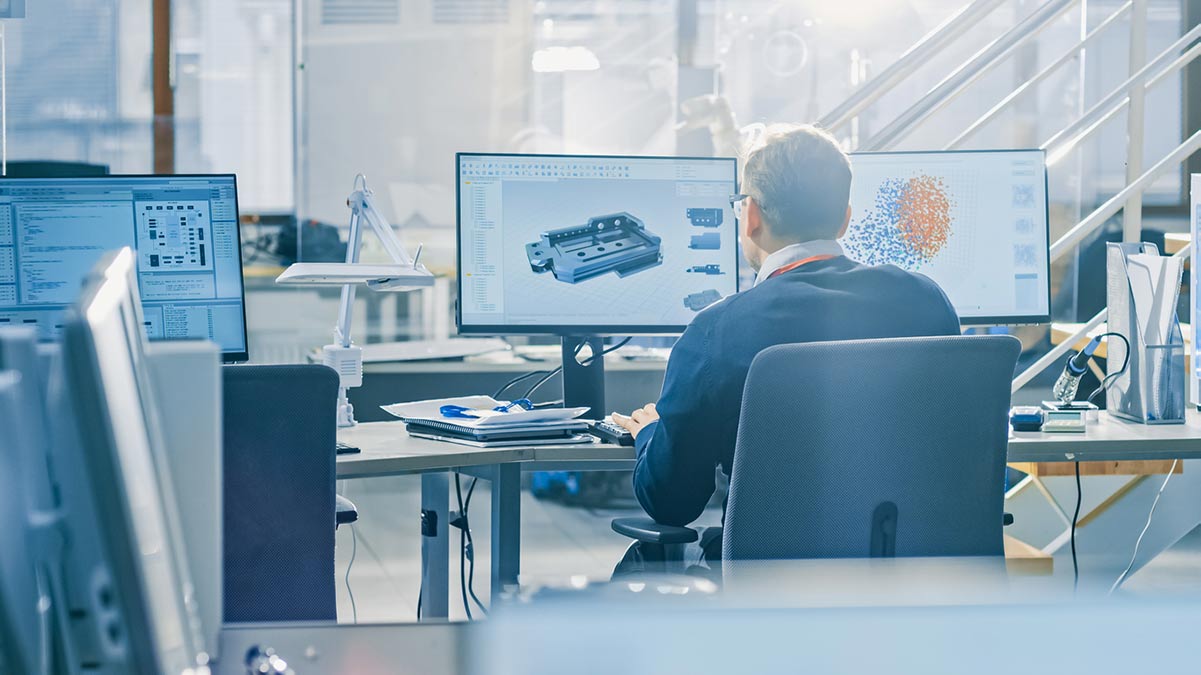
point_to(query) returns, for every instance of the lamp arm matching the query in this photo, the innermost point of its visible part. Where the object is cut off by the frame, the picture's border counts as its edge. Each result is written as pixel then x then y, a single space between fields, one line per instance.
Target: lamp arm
pixel 342 355
pixel 363 203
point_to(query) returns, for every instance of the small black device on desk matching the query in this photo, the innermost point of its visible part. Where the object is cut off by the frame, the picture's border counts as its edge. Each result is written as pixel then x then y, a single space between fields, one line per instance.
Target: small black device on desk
pixel 344 449
pixel 611 433
pixel 1027 418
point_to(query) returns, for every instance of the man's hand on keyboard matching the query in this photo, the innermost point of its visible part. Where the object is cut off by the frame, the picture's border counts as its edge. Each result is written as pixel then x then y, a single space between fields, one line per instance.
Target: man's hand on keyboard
pixel 637 420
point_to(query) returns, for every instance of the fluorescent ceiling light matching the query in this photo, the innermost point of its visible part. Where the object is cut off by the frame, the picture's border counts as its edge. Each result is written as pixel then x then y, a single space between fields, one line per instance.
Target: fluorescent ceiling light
pixel 564 59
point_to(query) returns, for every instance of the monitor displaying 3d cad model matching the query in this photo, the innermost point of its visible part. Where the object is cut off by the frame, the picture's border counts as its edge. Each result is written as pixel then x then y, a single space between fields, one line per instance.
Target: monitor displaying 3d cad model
pixel 558 244
pixel 183 228
pixel 975 222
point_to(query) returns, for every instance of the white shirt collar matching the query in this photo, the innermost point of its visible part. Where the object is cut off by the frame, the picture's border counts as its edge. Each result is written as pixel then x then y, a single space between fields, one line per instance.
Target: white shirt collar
pixel 795 252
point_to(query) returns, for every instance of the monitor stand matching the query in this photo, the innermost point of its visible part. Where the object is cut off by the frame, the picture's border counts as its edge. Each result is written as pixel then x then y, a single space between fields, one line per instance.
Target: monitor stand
pixel 584 385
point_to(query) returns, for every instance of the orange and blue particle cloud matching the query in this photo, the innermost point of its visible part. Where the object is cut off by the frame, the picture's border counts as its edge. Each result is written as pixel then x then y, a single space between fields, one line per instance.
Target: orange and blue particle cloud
pixel 909 225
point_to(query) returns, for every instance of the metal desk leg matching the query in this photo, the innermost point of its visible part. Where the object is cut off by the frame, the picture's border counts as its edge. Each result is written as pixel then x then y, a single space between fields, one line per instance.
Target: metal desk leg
pixel 506 526
pixel 435 550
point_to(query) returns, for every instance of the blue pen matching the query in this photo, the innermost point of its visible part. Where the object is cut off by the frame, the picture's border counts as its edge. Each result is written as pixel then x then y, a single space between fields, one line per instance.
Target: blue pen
pixel 466 413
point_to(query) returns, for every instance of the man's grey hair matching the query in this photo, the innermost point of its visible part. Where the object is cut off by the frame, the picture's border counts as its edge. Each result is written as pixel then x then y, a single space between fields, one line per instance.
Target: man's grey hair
pixel 801 179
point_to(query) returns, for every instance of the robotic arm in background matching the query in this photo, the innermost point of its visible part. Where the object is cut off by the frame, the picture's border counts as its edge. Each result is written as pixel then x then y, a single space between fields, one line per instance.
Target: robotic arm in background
pixel 715 113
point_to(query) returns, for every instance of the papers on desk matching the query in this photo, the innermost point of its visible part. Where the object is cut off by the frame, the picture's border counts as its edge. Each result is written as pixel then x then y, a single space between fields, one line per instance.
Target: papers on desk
pixel 430 411
pixel 573 439
pixel 424 419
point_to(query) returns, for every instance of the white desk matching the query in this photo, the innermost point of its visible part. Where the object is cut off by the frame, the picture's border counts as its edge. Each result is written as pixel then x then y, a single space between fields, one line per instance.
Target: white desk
pixel 388 450
pixel 1112 439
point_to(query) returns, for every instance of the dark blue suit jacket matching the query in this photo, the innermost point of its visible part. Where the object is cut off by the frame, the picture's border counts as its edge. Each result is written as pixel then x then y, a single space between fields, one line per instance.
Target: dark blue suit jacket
pixel 833 299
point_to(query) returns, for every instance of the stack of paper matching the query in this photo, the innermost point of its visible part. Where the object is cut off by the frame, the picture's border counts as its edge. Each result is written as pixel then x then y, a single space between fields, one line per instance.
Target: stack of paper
pixel 545 426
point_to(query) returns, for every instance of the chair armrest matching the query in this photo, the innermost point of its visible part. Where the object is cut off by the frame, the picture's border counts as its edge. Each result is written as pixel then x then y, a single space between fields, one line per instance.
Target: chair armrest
pixel 645 529
pixel 1006 519
pixel 345 511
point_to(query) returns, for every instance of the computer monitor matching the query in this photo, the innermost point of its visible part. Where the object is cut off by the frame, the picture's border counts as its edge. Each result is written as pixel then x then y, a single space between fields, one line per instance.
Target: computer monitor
pixel 975 222
pixel 126 467
pixel 598 245
pixel 21 636
pixel 184 230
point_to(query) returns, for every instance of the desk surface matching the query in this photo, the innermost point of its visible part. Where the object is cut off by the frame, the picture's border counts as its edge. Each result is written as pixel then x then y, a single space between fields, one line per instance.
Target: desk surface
pixel 1112 439
pixel 387 449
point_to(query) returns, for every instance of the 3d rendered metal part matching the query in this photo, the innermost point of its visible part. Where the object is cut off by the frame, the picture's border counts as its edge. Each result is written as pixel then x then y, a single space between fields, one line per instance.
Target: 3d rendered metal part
pixel 617 243
pixel 698 301
pixel 705 269
pixel 709 241
pixel 705 217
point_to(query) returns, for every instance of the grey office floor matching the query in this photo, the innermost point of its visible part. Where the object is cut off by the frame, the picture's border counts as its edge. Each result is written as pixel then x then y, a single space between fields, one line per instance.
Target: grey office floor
pixel 557 542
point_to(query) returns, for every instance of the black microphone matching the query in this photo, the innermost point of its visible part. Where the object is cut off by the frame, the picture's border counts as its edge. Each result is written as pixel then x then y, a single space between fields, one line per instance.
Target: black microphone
pixel 1069 381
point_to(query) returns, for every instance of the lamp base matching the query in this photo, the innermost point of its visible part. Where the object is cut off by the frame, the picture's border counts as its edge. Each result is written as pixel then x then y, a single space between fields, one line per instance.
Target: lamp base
pixel 348 363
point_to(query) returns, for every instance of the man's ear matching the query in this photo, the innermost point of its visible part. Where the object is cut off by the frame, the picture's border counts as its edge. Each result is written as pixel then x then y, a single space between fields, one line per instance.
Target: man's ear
pixel 753 218
pixel 846 224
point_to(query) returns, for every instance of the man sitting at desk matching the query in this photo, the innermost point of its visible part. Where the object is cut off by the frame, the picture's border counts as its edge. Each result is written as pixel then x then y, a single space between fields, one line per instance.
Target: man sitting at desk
pixel 796 205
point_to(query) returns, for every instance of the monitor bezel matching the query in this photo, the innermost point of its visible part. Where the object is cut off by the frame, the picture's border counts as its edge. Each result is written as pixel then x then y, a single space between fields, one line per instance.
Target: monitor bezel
pixel 569 330
pixel 226 357
pixel 1000 320
pixel 90 387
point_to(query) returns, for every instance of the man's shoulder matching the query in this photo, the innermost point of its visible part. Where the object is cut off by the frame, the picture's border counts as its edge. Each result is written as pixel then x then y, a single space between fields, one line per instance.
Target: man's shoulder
pixel 898 278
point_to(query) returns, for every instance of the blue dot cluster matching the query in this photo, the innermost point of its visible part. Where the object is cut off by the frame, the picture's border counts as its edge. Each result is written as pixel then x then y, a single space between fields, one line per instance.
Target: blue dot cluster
pixel 877 239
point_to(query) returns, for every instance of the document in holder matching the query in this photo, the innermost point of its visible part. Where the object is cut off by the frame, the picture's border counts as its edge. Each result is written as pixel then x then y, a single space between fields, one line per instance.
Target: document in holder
pixel 1155 283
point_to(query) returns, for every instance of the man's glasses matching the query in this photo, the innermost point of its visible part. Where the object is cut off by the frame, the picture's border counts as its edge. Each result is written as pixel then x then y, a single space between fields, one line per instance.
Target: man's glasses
pixel 736 203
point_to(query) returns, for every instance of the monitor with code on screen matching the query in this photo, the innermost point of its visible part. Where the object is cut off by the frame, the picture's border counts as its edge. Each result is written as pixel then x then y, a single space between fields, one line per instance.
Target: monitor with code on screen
pixel 184 230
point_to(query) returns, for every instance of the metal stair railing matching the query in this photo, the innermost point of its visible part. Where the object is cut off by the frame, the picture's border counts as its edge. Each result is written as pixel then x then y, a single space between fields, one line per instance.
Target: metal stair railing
pixel 1070 136
pixel 1043 74
pixel 1146 74
pixel 946 91
pixel 908 63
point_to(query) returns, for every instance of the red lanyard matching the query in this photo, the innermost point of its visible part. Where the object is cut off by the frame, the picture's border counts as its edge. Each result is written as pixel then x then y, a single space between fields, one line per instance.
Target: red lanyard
pixel 793 265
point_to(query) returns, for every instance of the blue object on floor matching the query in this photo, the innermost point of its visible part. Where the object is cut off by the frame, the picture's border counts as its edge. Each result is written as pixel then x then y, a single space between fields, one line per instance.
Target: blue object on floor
pixel 555 484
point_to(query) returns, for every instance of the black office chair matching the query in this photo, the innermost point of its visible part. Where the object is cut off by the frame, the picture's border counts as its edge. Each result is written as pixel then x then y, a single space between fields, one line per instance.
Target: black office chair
pixel 866 448
pixel 53 169
pixel 280 511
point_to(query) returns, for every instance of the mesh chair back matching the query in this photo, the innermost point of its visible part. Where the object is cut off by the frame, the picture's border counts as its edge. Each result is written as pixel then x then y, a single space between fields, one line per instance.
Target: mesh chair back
pixel 872 448
pixel 279 457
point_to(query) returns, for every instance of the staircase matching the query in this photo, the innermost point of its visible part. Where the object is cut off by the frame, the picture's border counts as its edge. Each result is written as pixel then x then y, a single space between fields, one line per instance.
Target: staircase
pixel 1116 505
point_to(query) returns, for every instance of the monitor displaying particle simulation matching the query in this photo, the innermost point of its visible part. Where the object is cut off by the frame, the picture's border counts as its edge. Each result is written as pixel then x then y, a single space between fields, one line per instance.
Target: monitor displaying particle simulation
pixel 974 221
pixel 560 245
pixel 184 230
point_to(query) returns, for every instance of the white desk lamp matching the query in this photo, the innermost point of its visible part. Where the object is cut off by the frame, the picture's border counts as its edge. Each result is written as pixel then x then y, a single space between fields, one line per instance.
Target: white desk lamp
pixel 405 273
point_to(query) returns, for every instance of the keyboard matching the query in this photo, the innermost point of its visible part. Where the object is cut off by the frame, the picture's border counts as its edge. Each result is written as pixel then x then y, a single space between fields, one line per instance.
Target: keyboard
pixel 611 433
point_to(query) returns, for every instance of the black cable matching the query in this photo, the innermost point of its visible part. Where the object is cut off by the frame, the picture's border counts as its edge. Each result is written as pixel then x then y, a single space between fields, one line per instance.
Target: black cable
pixel 549 374
pixel 586 362
pixel 471 549
pixel 515 380
pixel 608 350
pixel 461 523
pixel 530 392
pixel 420 593
pixel 1075 518
pixel 1110 378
